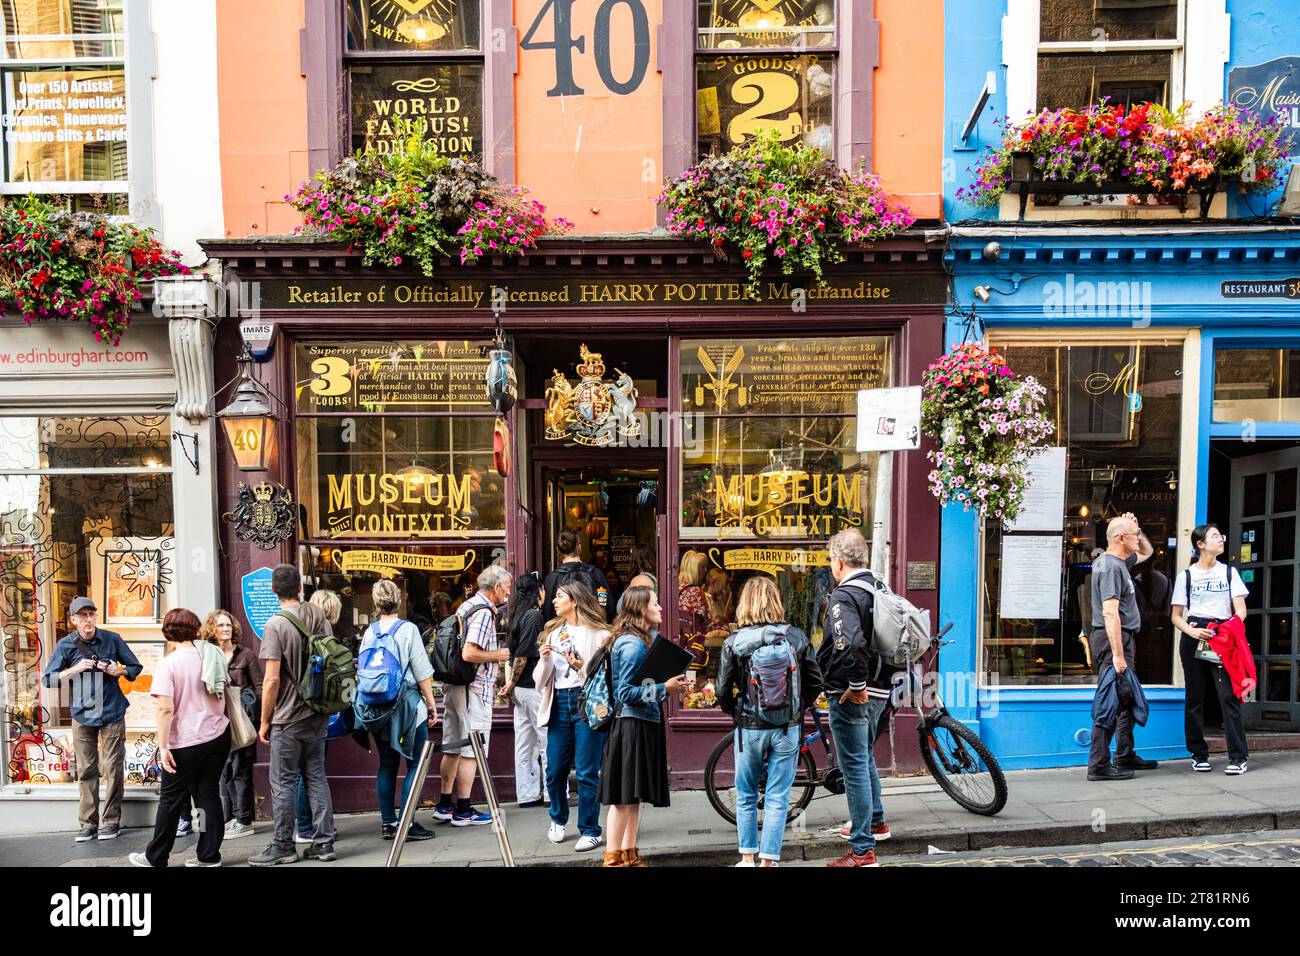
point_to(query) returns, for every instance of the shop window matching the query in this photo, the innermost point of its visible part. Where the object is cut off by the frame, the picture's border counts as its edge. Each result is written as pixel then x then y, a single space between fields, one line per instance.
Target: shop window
pixel 63 99
pixel 1121 51
pixel 769 473
pixel 395 441
pixel 1262 385
pixel 415 67
pixel 101 526
pixel 766 66
pixel 1118 413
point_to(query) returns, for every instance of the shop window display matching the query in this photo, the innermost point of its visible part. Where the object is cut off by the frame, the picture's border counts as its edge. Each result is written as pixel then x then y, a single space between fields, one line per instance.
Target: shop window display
pixel 1117 409
pixel 769 473
pixel 102 527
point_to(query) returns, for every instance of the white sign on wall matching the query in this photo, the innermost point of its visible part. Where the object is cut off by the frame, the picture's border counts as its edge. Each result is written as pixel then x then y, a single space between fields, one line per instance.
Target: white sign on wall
pixel 1043 505
pixel 1031 577
pixel 889 419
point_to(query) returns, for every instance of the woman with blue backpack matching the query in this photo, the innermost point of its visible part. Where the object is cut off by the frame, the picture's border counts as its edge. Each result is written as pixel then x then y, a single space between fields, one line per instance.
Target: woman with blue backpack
pixel 635 769
pixel 767 678
pixel 394 702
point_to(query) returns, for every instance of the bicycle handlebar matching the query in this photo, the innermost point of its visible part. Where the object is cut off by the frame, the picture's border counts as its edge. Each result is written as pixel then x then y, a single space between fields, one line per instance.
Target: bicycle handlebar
pixel 946 628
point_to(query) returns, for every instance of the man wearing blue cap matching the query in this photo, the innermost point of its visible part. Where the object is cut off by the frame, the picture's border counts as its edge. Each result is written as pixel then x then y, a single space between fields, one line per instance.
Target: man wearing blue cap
pixel 89 661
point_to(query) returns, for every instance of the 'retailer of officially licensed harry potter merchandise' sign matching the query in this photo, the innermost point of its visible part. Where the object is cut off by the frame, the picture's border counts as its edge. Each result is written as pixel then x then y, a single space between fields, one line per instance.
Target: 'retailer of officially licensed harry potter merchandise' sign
pixel 1271 88
pixel 543 293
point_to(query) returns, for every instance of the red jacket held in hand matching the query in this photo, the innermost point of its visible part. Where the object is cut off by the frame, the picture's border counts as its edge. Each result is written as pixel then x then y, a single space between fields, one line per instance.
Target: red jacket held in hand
pixel 1229 642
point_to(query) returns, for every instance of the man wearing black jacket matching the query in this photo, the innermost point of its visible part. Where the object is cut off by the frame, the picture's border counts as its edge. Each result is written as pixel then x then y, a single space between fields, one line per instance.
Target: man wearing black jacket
pixel 572 567
pixel 857 685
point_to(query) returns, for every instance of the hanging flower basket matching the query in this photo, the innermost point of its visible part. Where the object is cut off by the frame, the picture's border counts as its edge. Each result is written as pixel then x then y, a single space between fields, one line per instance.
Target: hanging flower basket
pixel 987 423
pixel 77 267
pixel 765 200
pixel 414 206
pixel 1145 151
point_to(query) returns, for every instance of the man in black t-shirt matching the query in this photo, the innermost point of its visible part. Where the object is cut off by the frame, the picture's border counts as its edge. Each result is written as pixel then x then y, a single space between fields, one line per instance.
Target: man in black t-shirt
pixel 525 625
pixel 573 568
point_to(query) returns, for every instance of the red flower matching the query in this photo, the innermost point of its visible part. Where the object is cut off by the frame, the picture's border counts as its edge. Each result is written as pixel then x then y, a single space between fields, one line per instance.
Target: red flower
pixel 1026 136
pixel 747 254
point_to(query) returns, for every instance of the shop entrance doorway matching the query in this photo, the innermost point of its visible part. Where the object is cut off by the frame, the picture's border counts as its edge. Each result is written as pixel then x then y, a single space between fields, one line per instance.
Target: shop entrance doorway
pixel 616 511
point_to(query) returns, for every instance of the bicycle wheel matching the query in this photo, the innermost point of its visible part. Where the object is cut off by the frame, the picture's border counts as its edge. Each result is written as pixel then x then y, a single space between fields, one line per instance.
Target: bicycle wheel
pixel 720 782
pixel 963 766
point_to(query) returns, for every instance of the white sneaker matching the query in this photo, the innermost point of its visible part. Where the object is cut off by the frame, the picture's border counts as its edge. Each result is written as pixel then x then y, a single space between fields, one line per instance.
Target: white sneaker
pixel 555 833
pixel 235 830
pixel 139 859
pixel 1201 766
pixel 748 863
pixel 586 843
pixel 1236 769
pixel 197 862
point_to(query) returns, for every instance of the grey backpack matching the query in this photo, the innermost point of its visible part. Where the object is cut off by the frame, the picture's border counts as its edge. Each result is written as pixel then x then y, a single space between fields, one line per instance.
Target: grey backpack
pixel 900 629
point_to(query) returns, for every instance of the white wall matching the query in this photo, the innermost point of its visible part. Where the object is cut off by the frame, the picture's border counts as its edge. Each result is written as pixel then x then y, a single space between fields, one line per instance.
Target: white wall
pixel 186 131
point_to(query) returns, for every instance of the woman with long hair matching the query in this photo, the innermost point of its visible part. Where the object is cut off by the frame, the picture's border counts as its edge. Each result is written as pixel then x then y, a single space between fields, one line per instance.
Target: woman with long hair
pixel 692 605
pixel 567 642
pixel 1209 592
pixel 243 672
pixel 767 726
pixel 635 768
pixel 524 621
pixel 193 742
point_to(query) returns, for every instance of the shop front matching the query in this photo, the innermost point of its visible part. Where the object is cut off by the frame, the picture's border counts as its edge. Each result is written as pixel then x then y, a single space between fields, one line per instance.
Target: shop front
pixel 665 419
pixel 1169 359
pixel 106 490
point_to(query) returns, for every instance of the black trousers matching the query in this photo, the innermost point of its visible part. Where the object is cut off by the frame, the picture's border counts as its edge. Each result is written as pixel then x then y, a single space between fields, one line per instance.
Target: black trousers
pixel 1198 675
pixel 197 778
pixel 1122 732
pixel 237 785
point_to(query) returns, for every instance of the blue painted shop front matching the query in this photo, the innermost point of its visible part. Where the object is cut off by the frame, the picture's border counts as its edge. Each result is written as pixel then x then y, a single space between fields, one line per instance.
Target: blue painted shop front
pixel 1179 294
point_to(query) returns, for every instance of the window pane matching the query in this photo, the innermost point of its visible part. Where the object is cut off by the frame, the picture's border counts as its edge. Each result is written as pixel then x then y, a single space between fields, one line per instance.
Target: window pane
pixel 1277 681
pixel 390 102
pixel 405 376
pixel 1283 539
pixel 1281 586
pixel 1279 634
pixel 737 97
pixel 1284 490
pixel 1079 79
pixel 733 24
pixel 19 22
pixel 1263 384
pixel 1254 491
pixel 711 581
pixel 128 441
pixel 1118 460
pixel 399 480
pixel 1108 20
pixel 410 25
pixel 64 124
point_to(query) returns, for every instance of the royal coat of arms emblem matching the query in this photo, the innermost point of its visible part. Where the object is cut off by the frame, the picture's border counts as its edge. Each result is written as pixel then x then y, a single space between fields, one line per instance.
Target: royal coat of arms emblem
pixel 264 515
pixel 593 412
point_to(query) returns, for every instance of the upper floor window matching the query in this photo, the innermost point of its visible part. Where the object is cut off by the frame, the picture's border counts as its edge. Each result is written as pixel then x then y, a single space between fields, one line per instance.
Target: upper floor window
pixel 1121 51
pixel 63 100
pixel 765 65
pixel 415 65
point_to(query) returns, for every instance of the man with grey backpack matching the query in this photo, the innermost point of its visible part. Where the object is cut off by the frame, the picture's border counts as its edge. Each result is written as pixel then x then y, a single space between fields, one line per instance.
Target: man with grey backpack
pixel 767 678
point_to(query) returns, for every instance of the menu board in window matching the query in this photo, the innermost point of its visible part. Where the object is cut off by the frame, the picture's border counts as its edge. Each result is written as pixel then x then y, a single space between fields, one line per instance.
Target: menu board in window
pixel 443 102
pixel 447 376
pixel 739 97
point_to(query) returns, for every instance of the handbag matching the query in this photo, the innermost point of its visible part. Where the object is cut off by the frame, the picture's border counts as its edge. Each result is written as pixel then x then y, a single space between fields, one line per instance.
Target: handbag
pixel 242 732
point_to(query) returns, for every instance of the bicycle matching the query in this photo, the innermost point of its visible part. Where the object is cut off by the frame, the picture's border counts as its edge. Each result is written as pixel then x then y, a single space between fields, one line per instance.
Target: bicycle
pixel 959 761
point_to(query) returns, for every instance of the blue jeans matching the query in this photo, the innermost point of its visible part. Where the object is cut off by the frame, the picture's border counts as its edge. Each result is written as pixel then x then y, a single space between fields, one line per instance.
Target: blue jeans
pixel 386 778
pixel 854 728
pixel 776 749
pixel 568 738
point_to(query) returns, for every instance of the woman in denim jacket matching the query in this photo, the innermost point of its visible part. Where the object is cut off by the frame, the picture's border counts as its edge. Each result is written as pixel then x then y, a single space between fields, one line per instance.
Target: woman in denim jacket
pixel 636 758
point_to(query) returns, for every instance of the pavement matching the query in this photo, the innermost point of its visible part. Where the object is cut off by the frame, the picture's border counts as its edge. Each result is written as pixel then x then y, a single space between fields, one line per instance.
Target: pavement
pixel 1046 809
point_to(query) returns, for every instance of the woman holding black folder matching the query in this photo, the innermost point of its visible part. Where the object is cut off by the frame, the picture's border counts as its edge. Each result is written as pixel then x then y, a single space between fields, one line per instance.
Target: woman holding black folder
pixel 635 770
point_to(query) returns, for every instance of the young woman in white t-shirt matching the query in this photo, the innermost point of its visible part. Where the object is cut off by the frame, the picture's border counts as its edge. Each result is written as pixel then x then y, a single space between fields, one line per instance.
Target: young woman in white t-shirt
pixel 1206 592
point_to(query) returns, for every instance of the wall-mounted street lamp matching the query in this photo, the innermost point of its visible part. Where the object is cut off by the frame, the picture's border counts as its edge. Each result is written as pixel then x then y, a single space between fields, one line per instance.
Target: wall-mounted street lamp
pixel 249 421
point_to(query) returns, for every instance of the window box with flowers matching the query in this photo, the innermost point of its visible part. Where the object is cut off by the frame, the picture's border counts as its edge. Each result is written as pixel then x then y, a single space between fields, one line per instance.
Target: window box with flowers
pixel 77 266
pixel 1146 153
pixel 770 201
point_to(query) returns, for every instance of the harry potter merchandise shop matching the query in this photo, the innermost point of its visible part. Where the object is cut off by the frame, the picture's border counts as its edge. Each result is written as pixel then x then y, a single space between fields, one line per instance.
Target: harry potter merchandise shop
pixel 659 412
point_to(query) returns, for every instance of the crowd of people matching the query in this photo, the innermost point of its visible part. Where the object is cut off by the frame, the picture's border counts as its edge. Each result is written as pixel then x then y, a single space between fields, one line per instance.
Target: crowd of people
pixel 559 637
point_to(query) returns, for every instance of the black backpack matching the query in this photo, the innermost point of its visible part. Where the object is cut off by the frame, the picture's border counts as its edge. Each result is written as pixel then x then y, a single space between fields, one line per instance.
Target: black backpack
pixel 573 570
pixel 446 648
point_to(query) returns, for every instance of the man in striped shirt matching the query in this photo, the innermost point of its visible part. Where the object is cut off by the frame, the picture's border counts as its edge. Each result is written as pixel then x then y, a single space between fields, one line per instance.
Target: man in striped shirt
pixel 470 708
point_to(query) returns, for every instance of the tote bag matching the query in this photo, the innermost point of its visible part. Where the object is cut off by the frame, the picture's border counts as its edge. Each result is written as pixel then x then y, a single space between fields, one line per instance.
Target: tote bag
pixel 242 732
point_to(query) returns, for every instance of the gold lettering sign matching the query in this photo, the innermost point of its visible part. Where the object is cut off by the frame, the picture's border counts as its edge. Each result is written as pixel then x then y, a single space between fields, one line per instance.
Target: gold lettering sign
pixel 400 504
pixel 770 560
pixel 386 561
pixel 745 96
pixel 780 502
pixel 392 376
pixel 443 103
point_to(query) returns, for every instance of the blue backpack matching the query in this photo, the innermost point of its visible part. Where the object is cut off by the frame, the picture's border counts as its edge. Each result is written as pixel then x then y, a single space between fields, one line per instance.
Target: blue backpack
pixel 771 675
pixel 379 669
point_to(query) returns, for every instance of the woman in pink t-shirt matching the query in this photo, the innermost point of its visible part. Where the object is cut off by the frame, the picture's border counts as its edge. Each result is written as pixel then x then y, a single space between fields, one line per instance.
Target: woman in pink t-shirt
pixel 193 741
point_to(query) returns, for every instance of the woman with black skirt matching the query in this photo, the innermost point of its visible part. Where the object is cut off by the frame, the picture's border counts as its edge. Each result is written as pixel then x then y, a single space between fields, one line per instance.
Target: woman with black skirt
pixel 635 770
